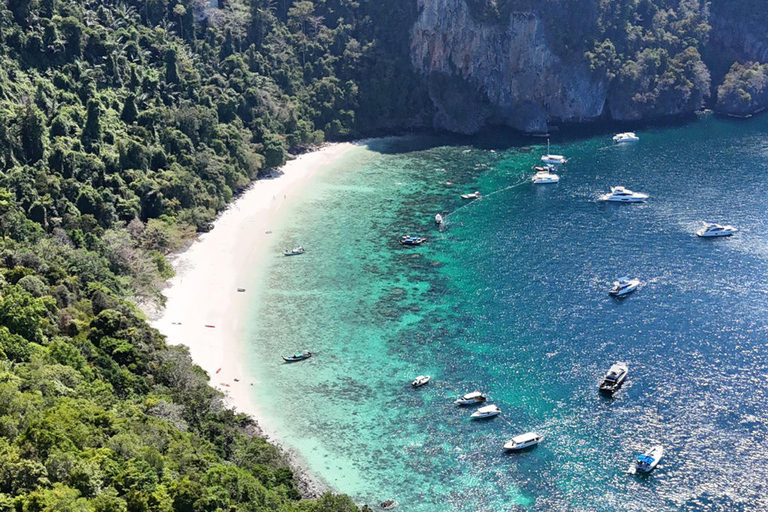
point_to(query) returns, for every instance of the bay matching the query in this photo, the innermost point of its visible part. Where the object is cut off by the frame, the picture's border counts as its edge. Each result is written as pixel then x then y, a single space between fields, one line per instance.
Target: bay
pixel 511 299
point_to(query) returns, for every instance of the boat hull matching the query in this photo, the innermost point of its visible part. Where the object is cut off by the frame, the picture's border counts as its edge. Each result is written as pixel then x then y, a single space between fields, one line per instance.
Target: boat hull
pixel 625 199
pixel 625 291
pixel 710 234
pixel 512 447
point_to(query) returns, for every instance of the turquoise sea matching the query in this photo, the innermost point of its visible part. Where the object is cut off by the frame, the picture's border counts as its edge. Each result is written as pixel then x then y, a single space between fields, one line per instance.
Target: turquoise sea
pixel 511 299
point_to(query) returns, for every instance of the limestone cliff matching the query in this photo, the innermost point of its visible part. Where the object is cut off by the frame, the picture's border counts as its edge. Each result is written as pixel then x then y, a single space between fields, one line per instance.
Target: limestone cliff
pixel 480 73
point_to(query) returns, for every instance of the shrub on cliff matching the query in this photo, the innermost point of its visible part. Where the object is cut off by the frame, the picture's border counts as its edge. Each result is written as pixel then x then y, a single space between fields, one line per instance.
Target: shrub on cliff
pixel 744 89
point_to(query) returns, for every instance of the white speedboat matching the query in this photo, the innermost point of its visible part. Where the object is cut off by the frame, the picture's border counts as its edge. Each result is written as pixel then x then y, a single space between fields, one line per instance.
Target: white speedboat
pixel 475 397
pixel 523 441
pixel 624 286
pixel 421 380
pixel 626 137
pixel 712 229
pixel 649 459
pixel 486 412
pixel 624 195
pixel 614 378
pixel 545 178
pixel 472 195
pixel 439 219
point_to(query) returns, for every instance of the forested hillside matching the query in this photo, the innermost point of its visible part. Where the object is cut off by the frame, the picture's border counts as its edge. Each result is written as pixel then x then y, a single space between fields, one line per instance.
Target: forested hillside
pixel 124 128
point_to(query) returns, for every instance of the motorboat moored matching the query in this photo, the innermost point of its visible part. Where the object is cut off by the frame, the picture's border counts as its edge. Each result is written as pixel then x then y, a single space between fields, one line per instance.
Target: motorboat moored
pixel 648 460
pixel 486 412
pixel 472 195
pixel 624 195
pixel 475 397
pixel 544 178
pixel 412 240
pixel 626 137
pixel 298 356
pixel 295 251
pixel 624 286
pixel 439 219
pixel 523 441
pixel 421 380
pixel 615 377
pixel 712 229
pixel 388 504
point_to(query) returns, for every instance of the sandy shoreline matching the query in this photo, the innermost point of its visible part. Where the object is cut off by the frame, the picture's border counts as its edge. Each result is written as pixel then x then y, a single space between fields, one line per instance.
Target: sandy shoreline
pixel 204 309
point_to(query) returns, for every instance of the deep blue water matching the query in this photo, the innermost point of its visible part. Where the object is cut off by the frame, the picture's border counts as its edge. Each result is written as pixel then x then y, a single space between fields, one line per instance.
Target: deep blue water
pixel 512 299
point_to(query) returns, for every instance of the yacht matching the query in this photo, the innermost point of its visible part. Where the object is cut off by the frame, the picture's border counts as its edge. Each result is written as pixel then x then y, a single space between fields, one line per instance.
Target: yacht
pixel 711 229
pixel 545 177
pixel 614 378
pixel 420 381
pixel 439 219
pixel 486 412
pixel 388 504
pixel 523 441
pixel 412 240
pixel 624 195
pixel 298 356
pixel 472 195
pixel 624 286
pixel 295 251
pixel 649 459
pixel 475 397
pixel 626 137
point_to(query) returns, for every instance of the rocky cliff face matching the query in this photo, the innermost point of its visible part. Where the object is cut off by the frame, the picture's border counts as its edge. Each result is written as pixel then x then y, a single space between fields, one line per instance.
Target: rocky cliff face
pixel 481 73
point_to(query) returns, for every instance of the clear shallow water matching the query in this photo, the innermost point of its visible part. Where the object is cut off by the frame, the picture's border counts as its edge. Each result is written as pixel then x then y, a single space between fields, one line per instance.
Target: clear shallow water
pixel 512 299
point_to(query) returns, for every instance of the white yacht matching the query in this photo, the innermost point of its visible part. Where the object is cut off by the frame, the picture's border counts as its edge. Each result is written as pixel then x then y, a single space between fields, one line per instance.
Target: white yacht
pixel 545 177
pixel 649 459
pixel 626 137
pixel 420 381
pixel 623 286
pixel 615 377
pixel 472 195
pixel 712 229
pixel 624 195
pixel 486 412
pixel 475 397
pixel 438 219
pixel 523 441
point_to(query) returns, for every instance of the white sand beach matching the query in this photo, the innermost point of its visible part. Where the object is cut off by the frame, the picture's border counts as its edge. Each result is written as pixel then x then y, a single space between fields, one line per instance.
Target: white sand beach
pixel 204 309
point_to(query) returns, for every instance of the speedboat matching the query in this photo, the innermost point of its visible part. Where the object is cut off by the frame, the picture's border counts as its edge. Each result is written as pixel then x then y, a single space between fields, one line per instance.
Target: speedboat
pixel 545 177
pixel 486 412
pixel 614 378
pixel 412 240
pixel 649 459
pixel 298 356
pixel 624 195
pixel 712 229
pixel 523 441
pixel 420 381
pixel 388 504
pixel 439 219
pixel 624 286
pixel 475 397
pixel 295 251
pixel 626 137
pixel 472 195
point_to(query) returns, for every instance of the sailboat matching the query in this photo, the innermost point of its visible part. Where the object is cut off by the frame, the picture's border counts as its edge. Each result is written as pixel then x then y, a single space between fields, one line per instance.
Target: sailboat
pixel 549 158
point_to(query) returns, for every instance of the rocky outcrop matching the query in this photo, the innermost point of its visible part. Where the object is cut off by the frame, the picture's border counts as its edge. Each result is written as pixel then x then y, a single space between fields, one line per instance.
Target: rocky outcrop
pixel 480 73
